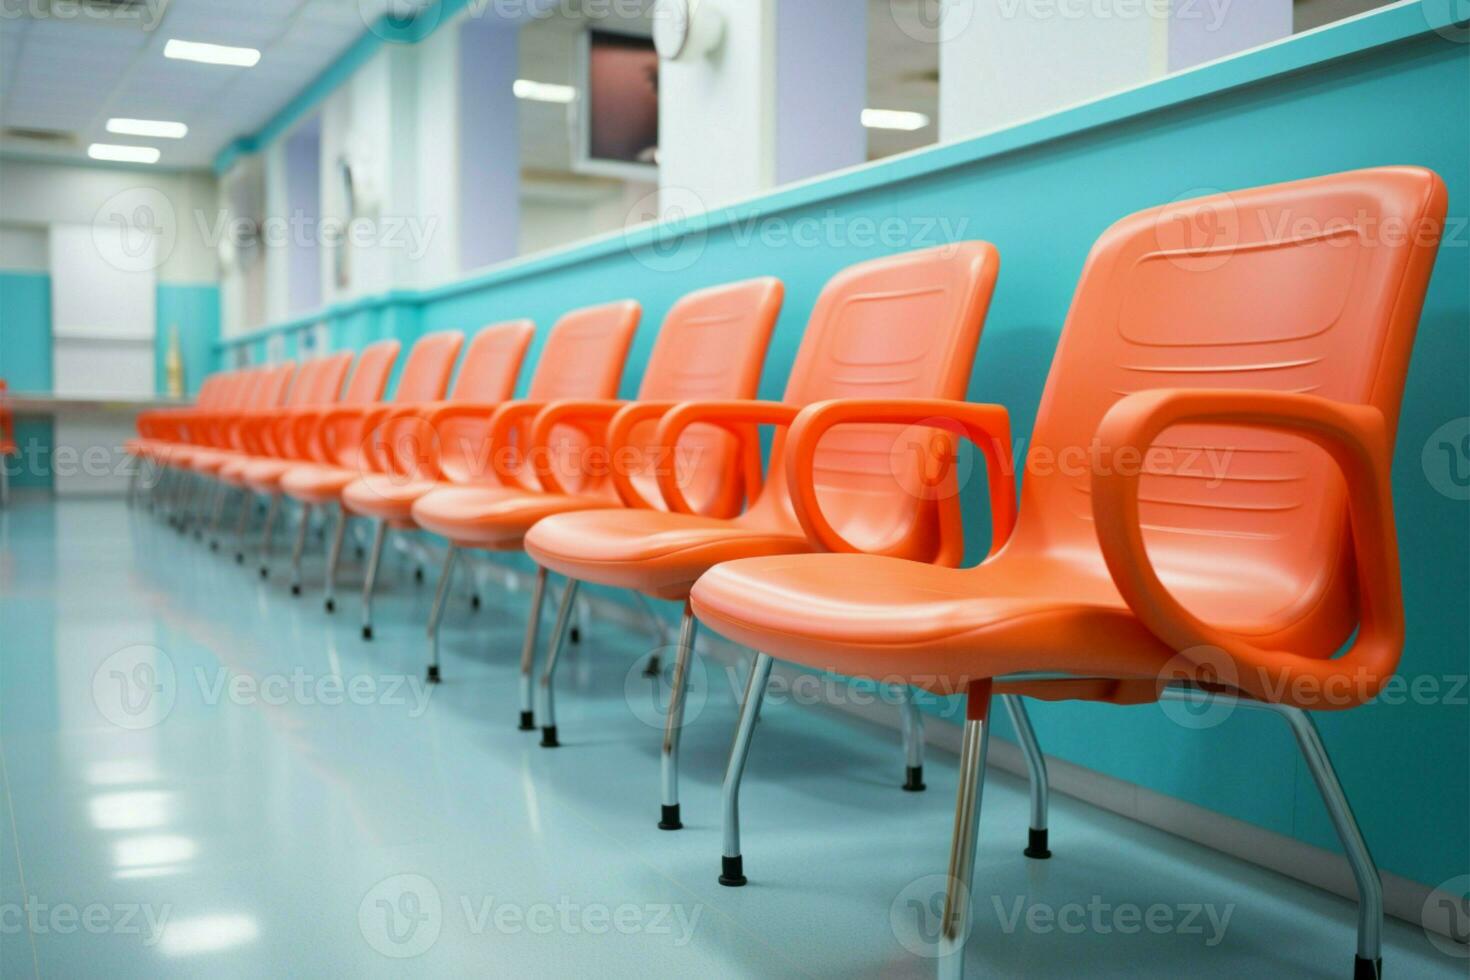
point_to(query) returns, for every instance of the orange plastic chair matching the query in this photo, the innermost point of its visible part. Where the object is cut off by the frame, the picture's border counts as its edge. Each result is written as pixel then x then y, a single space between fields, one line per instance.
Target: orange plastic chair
pixel 905 325
pixel 8 447
pixel 263 475
pixel 1206 514
pixel 485 498
pixel 341 449
pixel 712 342
pixel 266 434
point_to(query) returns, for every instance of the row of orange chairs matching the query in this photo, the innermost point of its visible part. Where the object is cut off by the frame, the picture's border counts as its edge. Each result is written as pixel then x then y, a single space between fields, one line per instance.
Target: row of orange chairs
pixel 1205 510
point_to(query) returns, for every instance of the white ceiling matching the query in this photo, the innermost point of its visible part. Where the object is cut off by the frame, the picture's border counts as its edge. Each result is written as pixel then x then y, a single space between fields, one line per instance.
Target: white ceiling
pixel 70 75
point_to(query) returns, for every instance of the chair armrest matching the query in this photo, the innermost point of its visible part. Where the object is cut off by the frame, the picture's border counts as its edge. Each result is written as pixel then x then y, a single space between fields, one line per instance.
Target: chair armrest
pixel 987 426
pixel 737 417
pixel 620 448
pixel 1357 439
pixel 591 417
pixel 399 453
pixel 513 417
pixel 438 415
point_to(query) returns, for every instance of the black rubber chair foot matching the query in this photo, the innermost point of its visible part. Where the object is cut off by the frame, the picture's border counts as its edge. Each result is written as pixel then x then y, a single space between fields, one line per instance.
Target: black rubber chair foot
pixel 214 546
pixel 330 605
pixel 474 602
pixel 575 635
pixel 367 632
pixel 1036 846
pixel 418 575
pixel 239 558
pixel 670 819
pixel 732 874
pixel 1367 969
pixel 433 675
pixel 528 721
pixel 265 572
pixel 914 780
pixel 295 590
pixel 654 667
pixel 548 738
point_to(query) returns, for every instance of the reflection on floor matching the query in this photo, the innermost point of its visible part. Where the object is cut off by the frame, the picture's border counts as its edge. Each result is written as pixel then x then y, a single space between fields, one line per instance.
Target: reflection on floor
pixel 205 776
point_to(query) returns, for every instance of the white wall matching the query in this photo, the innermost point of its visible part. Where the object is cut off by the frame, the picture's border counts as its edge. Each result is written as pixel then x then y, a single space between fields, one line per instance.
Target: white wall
pixel 717 116
pixel 34 195
pixel 1003 61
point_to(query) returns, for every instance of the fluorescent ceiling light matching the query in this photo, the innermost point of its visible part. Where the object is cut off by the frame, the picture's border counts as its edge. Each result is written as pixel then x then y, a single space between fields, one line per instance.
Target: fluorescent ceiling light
pixel 524 88
pixel 156 128
pixel 123 154
pixel 211 54
pixel 894 119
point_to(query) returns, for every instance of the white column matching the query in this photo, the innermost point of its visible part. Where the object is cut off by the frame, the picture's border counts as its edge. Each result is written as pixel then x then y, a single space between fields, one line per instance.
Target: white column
pixel 489 151
pixel 780 100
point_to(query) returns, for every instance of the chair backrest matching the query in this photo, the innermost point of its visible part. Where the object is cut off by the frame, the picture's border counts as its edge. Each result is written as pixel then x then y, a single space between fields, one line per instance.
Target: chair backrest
pixel 904 326
pixel 583 358
pixel 429 365
pixel 492 362
pixel 303 386
pixel 711 346
pixel 1312 286
pixel 370 380
pixel 271 390
pixel 326 387
pixel 491 367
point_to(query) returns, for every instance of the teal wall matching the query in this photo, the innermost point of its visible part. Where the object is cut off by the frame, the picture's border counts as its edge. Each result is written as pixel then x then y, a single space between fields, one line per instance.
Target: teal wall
pixel 25 352
pixel 1383 89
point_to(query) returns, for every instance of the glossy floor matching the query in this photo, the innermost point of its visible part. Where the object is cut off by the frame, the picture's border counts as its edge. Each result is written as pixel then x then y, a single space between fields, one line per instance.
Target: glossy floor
pixel 205 776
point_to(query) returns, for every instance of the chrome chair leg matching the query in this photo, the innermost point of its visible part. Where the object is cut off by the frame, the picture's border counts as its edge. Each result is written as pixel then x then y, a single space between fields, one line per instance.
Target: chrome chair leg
pixel 674 723
pixel 242 526
pixel 1036 845
pixel 528 653
pixel 446 576
pixel 732 863
pixel 655 663
pixel 547 710
pixel 5 484
pixel 1368 964
pixel 380 533
pixel 334 556
pixel 269 534
pixel 955 924
pixel 299 548
pixel 913 740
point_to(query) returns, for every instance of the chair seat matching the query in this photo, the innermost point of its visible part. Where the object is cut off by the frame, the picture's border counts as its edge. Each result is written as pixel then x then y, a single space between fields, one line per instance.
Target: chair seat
pixel 212 460
pixel 386 498
pixel 263 475
pixel 654 552
pixel 314 484
pixel 495 517
pixel 938 628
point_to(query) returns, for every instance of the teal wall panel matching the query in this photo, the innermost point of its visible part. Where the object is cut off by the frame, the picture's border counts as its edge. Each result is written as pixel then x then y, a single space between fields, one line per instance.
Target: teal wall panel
pixel 1383 89
pixel 25 352
pixel 25 364
pixel 195 310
